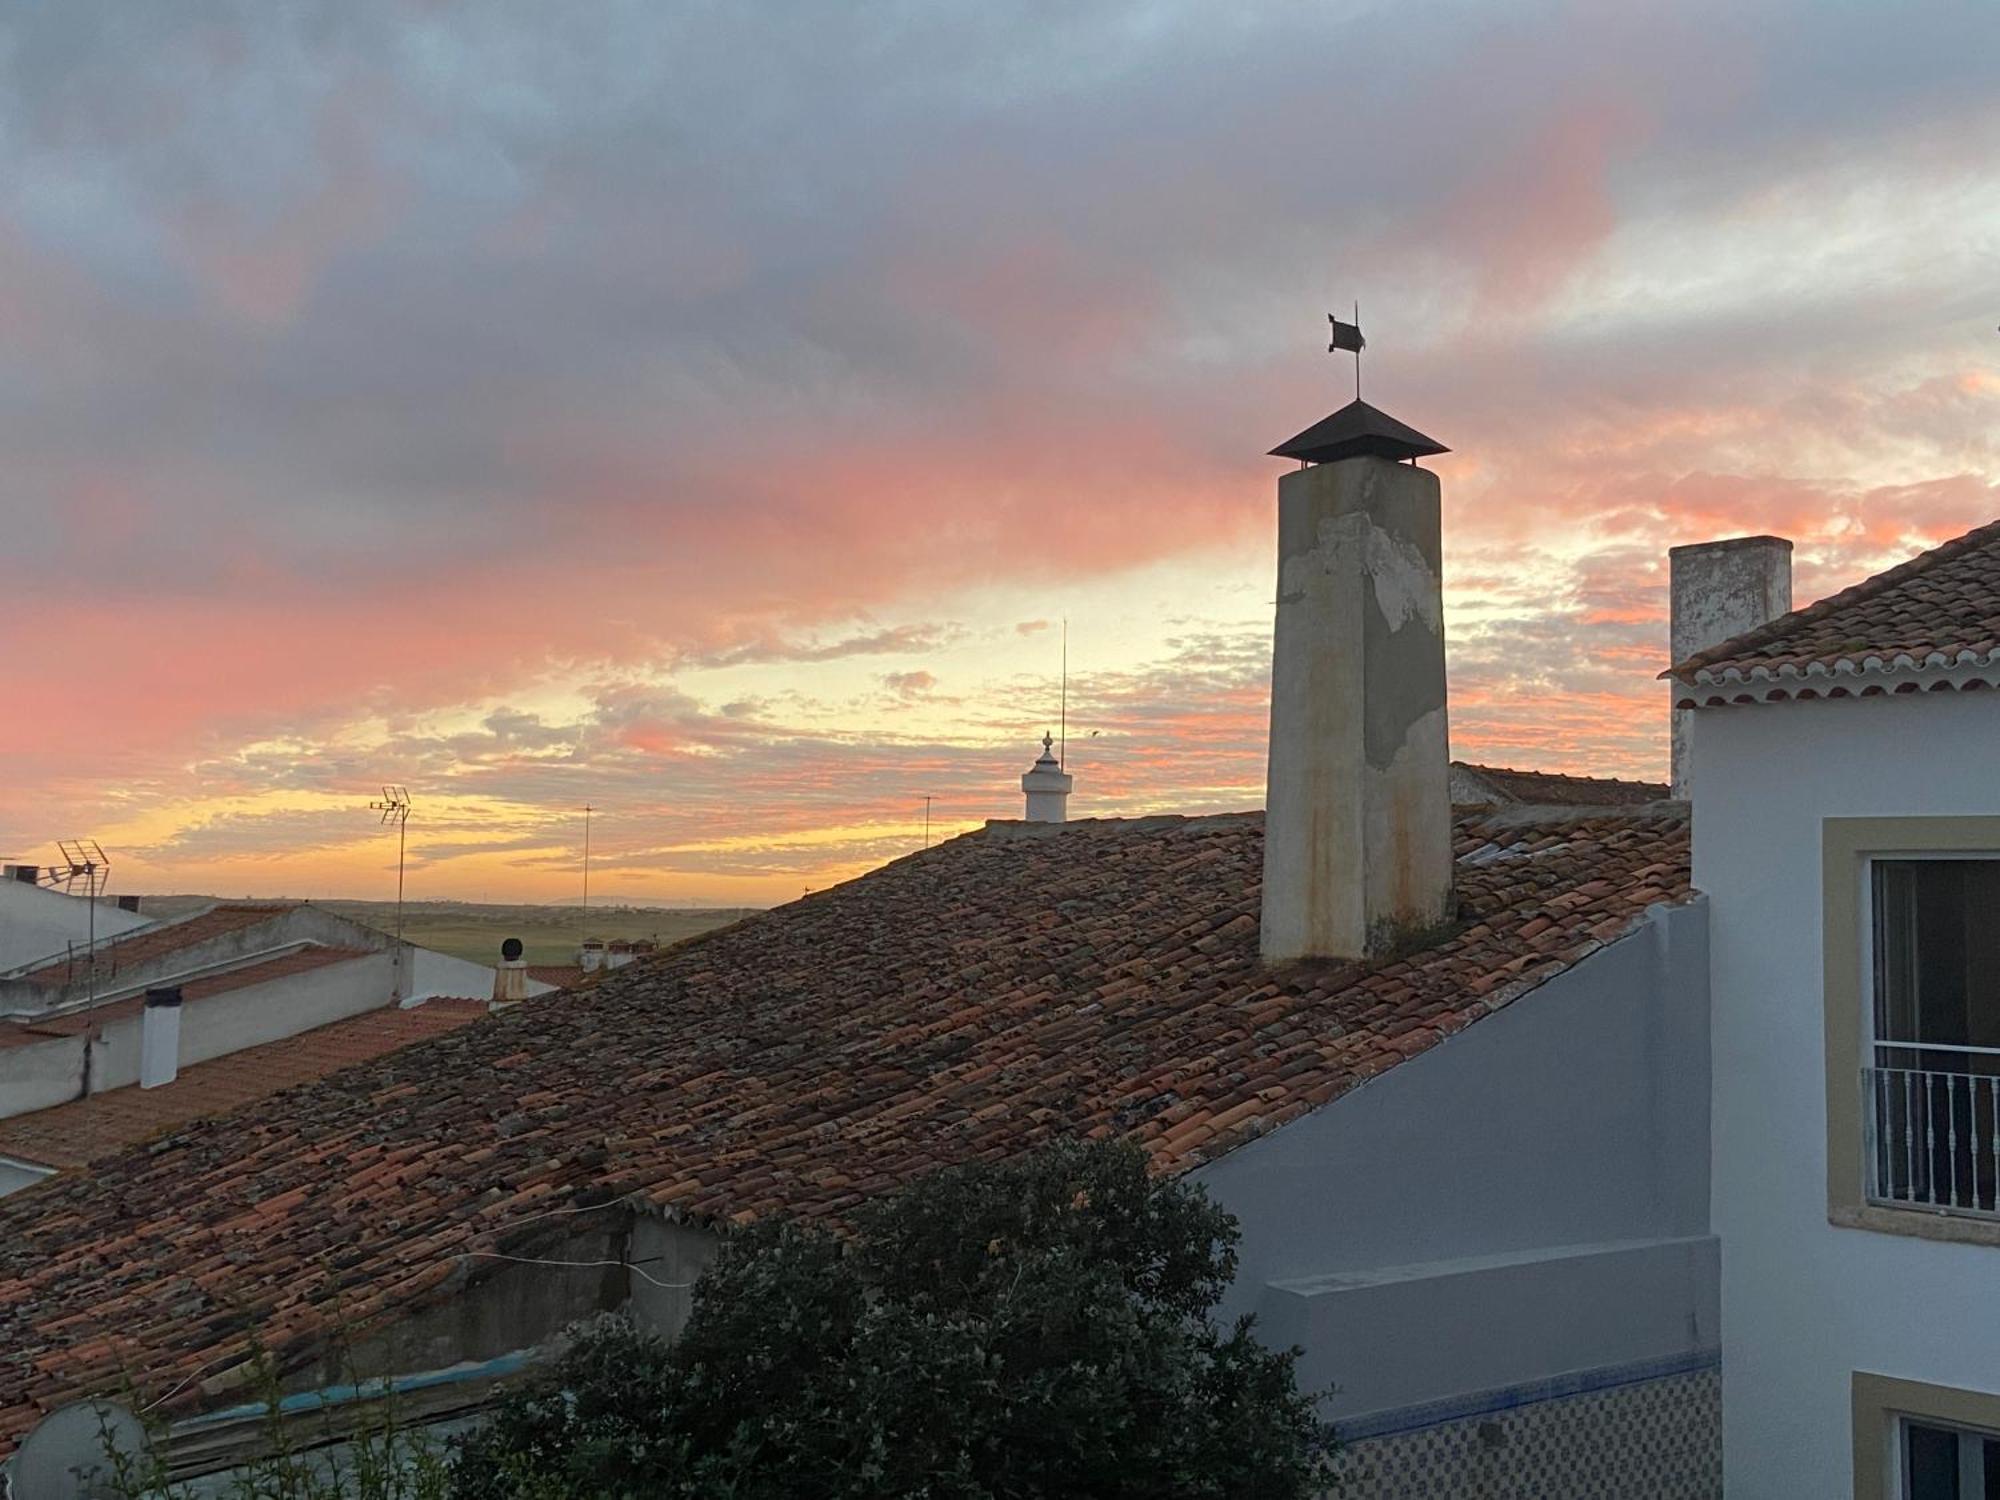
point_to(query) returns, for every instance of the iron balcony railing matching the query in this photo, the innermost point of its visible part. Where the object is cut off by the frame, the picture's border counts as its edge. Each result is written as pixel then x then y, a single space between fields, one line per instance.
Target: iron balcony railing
pixel 1931 1116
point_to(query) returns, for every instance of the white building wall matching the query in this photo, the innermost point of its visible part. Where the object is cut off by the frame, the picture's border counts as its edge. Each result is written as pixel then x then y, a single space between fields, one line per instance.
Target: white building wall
pixel 1805 1304
pixel 37 923
pixel 436 975
pixel 1524 1202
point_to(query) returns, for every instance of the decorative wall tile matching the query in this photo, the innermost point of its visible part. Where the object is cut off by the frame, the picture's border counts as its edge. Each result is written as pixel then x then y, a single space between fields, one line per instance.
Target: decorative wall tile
pixel 1650 1440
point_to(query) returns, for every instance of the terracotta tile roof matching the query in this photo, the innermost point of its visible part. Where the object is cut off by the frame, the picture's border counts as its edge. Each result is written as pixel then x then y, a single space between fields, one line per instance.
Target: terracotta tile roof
pixel 148 943
pixel 562 976
pixel 72 1134
pixel 968 1001
pixel 70 1023
pixel 1938 610
pixel 1556 788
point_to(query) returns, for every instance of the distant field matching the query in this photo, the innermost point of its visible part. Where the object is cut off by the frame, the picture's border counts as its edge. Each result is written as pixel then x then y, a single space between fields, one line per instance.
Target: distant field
pixel 468 929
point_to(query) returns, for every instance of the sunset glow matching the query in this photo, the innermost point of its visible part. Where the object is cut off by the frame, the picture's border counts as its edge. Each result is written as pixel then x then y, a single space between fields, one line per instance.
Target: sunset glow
pixel 712 414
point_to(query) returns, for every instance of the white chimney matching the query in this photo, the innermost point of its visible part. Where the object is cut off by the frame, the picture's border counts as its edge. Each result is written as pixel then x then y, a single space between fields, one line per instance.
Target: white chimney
pixel 590 957
pixel 1047 786
pixel 510 977
pixel 1357 821
pixel 160 1037
pixel 1720 590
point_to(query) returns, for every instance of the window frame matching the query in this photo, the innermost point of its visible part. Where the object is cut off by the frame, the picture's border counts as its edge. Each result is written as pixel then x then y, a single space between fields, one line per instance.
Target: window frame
pixel 1849 847
pixel 1882 1404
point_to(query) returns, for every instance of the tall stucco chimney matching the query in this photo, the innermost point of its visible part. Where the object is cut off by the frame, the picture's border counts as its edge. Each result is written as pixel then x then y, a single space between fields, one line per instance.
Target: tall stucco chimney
pixel 1047 786
pixel 1721 589
pixel 160 1037
pixel 1357 821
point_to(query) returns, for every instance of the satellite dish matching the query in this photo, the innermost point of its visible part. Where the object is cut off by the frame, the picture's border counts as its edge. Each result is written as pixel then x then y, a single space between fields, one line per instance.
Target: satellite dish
pixel 68 1455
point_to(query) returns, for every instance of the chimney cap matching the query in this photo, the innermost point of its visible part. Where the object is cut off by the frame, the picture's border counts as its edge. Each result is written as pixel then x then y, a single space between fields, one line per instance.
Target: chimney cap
pixel 1355 430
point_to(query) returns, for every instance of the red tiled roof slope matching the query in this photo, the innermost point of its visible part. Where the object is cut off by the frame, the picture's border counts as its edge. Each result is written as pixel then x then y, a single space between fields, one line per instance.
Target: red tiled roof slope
pixel 562 976
pixel 1556 788
pixel 967 1002
pixel 1940 609
pixel 145 944
pixel 72 1134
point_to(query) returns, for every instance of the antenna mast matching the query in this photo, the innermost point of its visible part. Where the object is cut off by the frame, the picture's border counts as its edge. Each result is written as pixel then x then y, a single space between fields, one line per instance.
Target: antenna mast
pixel 395 808
pixel 584 935
pixel 83 861
pixel 1062 717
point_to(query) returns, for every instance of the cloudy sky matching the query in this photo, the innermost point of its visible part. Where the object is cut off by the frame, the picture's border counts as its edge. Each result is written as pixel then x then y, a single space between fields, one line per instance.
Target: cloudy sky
pixel 709 411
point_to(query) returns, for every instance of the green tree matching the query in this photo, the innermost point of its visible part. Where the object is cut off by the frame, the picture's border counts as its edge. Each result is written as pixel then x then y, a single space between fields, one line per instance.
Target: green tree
pixel 1034 1328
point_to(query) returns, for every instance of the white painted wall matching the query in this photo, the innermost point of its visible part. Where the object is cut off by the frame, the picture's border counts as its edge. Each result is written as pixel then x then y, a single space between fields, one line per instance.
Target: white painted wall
pixel 1526 1200
pixel 433 975
pixel 40 1075
pixel 37 923
pixel 15 1175
pixel 1805 1304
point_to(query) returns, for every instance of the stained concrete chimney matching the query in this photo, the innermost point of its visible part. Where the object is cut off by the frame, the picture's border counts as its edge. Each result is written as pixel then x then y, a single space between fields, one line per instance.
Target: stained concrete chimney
pixel 160 1037
pixel 1720 590
pixel 1357 822
pixel 1047 786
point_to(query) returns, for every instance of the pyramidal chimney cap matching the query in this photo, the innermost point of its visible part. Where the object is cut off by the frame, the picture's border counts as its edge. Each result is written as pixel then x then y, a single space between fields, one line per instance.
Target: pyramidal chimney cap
pixel 1355 430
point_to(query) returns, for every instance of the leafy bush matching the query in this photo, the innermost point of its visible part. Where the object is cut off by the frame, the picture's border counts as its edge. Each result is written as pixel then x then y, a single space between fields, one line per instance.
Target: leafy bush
pixel 1036 1328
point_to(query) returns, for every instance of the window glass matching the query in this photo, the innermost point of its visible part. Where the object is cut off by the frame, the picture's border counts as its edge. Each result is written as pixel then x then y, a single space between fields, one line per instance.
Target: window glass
pixel 1937 954
pixel 1930 1463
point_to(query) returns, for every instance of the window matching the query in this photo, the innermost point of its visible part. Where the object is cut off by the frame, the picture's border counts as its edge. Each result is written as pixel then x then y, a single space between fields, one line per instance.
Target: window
pixel 1911 972
pixel 1915 1441
pixel 1948 1463
pixel 1931 1079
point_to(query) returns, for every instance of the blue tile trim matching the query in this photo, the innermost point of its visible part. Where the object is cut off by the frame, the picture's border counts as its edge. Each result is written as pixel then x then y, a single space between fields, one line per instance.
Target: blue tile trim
pixel 1482 1403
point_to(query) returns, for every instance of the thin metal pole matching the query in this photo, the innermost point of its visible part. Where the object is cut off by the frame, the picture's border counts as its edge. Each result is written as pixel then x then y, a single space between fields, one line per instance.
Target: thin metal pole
pixel 927 822
pixel 402 832
pixel 1357 350
pixel 584 936
pixel 1062 716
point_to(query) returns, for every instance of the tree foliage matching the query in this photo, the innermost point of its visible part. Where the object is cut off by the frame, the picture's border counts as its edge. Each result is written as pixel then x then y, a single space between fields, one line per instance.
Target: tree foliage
pixel 1034 1328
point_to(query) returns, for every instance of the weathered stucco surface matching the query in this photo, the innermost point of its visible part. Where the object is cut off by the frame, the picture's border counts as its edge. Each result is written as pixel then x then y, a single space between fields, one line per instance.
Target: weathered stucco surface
pixel 1720 590
pixel 1358 824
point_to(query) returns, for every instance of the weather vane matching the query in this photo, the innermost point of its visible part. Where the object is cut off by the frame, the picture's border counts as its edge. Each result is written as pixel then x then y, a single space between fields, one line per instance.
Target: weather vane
pixel 1348 336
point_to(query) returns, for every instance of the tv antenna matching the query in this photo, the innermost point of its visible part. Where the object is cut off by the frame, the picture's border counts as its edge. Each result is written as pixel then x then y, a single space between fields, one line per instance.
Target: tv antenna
pixel 927 820
pixel 395 808
pixel 83 864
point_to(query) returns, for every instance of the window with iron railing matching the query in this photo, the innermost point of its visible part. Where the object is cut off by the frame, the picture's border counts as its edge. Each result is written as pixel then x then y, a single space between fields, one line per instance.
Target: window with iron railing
pixel 1931 1076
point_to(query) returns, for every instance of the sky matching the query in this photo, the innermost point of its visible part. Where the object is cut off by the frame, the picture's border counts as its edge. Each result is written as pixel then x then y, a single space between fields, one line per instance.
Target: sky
pixel 711 412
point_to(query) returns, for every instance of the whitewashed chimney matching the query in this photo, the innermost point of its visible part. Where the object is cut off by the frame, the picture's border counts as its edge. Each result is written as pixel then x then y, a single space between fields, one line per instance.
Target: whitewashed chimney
pixel 1720 590
pixel 1357 822
pixel 1047 786
pixel 160 1037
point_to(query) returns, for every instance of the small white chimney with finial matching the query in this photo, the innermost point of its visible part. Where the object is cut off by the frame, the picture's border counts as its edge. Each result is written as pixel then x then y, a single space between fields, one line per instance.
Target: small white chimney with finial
pixel 1047 786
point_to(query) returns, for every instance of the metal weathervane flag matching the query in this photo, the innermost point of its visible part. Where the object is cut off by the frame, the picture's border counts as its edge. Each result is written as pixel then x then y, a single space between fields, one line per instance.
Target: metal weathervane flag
pixel 1345 336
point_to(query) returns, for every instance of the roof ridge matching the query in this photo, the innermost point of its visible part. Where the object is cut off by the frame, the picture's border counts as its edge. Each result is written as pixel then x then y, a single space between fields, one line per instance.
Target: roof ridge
pixel 1855 593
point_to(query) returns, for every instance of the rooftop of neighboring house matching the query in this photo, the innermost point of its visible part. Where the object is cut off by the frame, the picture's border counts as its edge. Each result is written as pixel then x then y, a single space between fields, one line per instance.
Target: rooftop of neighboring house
pixel 70 1135
pixel 1021 982
pixel 154 942
pixel 25 1031
pixel 562 976
pixel 1504 785
pixel 1930 623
